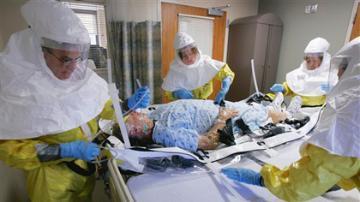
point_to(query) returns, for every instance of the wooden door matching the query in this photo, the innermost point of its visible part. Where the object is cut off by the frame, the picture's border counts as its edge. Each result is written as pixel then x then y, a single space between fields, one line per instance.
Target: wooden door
pixel 355 32
pixel 169 20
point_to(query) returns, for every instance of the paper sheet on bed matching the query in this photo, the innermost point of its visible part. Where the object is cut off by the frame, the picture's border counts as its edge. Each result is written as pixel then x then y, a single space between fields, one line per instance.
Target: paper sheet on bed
pixel 202 186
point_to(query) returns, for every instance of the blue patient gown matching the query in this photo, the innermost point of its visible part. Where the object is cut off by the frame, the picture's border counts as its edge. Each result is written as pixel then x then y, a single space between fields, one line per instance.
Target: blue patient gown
pixel 180 123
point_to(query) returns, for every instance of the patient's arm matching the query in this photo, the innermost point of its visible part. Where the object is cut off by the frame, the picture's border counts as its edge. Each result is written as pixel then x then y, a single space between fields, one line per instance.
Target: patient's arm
pixel 210 140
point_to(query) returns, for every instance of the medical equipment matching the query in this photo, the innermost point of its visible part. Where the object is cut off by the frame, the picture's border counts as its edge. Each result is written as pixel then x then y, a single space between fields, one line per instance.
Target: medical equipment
pixel 294 106
pixel 108 62
pixel 118 112
pixel 138 83
pixel 254 77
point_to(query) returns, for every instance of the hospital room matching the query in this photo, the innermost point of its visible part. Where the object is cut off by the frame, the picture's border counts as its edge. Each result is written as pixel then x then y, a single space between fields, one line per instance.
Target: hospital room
pixel 179 100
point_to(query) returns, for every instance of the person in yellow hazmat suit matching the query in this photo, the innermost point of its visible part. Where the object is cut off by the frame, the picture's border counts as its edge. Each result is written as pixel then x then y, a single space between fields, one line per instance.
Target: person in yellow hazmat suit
pixel 50 103
pixel 331 156
pixel 312 80
pixel 192 74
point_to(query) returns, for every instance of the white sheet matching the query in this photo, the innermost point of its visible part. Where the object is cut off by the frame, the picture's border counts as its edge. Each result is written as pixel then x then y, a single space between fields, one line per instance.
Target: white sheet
pixel 201 186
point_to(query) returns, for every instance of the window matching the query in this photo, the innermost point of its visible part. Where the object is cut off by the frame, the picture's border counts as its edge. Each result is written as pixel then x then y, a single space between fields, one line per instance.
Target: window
pixel 93 18
pixel 89 20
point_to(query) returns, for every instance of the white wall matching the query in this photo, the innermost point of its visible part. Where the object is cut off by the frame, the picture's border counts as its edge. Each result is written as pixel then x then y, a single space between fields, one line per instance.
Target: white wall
pixel 330 22
pixel 10 19
pixel 87 1
pixel 12 185
pixel 237 9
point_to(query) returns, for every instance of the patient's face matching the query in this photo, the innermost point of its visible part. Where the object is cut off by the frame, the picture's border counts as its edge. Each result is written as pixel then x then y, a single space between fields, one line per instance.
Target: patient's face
pixel 139 125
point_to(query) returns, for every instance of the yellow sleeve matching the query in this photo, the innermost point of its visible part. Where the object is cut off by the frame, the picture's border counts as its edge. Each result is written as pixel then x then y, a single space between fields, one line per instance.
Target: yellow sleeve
pixel 203 92
pixel 22 154
pixel 108 111
pixel 287 91
pixel 225 72
pixel 306 100
pixel 311 176
pixel 169 96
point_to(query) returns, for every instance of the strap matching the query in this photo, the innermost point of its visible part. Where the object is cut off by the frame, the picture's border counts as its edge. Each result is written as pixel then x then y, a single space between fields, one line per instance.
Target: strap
pixel 79 170
pixel 86 129
pixel 311 106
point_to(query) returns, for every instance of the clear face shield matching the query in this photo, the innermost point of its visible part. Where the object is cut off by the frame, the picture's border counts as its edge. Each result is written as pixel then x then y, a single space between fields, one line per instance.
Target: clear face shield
pixel 339 65
pixel 313 60
pixel 337 68
pixel 66 61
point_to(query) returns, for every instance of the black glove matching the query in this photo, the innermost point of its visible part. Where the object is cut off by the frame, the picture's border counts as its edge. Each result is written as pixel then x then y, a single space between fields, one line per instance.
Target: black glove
pixel 226 135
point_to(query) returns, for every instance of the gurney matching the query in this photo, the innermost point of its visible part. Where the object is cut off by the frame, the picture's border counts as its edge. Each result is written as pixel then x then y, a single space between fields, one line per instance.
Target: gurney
pixel 142 187
pixel 204 186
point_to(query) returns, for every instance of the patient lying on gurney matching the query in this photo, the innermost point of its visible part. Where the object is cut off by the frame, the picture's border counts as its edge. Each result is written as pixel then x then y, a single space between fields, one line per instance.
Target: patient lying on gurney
pixel 195 124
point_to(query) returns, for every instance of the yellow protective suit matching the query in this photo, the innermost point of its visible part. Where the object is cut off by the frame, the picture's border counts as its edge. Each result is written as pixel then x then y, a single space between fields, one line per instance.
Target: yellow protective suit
pixel 52 180
pixel 206 90
pixel 307 101
pixel 315 173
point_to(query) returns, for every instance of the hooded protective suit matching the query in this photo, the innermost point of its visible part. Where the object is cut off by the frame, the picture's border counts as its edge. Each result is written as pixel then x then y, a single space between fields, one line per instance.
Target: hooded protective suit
pixel 332 154
pixel 307 83
pixel 38 109
pixel 198 77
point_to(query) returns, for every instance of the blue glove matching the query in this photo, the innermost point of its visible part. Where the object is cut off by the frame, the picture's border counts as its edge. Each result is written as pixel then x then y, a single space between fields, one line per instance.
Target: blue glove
pixel 326 87
pixel 277 88
pixel 80 150
pixel 225 86
pixel 140 99
pixel 244 175
pixel 183 94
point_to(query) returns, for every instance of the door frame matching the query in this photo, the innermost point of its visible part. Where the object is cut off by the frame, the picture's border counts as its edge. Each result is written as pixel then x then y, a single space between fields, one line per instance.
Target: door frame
pixel 167 37
pixel 352 18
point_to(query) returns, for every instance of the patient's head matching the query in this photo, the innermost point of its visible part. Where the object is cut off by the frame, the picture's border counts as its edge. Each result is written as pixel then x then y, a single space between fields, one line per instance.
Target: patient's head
pixel 139 127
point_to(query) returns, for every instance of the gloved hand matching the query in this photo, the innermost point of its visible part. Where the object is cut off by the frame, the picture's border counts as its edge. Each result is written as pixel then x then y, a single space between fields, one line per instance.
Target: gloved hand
pixel 80 150
pixel 244 175
pixel 225 86
pixel 277 88
pixel 326 87
pixel 140 99
pixel 183 94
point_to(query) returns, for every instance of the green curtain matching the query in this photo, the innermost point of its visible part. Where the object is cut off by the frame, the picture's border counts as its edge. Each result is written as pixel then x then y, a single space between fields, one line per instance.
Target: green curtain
pixel 136 54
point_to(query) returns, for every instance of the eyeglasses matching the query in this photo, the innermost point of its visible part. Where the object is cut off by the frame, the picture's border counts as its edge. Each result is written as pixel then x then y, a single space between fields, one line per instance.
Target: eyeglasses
pixel 66 61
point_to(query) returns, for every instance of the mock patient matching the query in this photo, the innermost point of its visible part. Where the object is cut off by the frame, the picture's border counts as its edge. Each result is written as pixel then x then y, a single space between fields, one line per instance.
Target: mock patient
pixel 194 124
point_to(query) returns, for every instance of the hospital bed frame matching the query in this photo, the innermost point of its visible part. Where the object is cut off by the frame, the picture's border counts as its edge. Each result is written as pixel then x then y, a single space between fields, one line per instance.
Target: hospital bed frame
pixel 118 190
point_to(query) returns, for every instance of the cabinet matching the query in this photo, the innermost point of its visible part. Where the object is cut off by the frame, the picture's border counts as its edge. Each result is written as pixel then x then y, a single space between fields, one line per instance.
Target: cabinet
pixel 257 37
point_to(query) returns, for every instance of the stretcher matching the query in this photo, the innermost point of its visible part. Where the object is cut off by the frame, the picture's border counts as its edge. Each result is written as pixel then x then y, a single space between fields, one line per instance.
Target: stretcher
pixel 204 186
pixel 206 183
